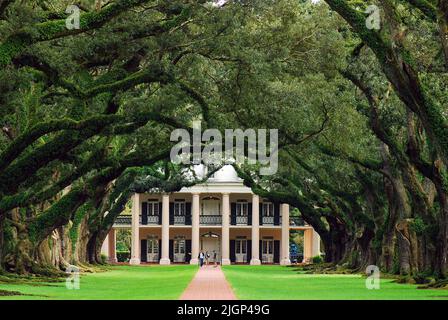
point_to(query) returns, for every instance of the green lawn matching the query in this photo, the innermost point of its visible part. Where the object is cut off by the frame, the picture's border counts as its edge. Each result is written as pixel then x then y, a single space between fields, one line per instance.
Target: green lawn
pixel 283 283
pixel 122 282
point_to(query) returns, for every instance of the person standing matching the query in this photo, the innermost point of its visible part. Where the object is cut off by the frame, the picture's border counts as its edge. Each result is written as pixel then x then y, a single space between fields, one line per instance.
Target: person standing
pixel 207 257
pixel 215 258
pixel 201 258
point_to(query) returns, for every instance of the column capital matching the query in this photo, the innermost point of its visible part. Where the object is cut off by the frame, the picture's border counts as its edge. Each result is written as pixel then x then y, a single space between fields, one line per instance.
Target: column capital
pixel 225 193
pixel 195 193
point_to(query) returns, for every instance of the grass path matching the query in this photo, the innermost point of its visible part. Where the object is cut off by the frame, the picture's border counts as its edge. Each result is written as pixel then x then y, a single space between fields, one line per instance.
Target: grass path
pixel 122 282
pixel 283 283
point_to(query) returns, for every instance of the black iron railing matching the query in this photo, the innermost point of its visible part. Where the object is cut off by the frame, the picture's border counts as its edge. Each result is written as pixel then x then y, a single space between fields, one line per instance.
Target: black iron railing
pixel 153 219
pixel 211 220
pixel 267 220
pixel 180 220
pixel 242 220
pixel 123 220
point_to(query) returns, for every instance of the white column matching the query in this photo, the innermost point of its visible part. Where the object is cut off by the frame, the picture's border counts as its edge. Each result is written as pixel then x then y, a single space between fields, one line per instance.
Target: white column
pixel 284 258
pixel 307 245
pixel 135 231
pixel 165 259
pixel 255 259
pixel 195 229
pixel 225 229
pixel 316 244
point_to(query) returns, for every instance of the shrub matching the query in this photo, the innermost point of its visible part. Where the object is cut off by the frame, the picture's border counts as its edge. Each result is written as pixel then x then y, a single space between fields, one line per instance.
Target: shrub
pixel 123 256
pixel 422 277
pixel 317 259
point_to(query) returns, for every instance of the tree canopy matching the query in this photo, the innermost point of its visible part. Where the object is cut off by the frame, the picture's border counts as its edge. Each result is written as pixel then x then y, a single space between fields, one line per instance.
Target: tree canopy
pixel 86 117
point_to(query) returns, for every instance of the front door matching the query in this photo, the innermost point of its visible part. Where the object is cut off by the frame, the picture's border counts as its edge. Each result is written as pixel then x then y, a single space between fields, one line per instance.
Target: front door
pixel 153 249
pixel 268 251
pixel 210 244
pixel 241 250
pixel 179 249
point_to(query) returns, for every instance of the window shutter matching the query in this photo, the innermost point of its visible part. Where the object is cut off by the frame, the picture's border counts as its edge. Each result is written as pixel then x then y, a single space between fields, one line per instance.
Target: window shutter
pixel 260 249
pixel 232 251
pixel 171 250
pixel 249 214
pixel 276 251
pixel 276 213
pixel 144 250
pixel 171 213
pixel 233 214
pixel 187 251
pixel 160 213
pixel 160 249
pixel 188 213
pixel 260 208
pixel 144 213
pixel 249 251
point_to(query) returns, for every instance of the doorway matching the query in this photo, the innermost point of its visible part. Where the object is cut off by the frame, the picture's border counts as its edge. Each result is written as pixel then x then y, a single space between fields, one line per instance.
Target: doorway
pixel 153 249
pixel 179 249
pixel 267 251
pixel 210 243
pixel 240 250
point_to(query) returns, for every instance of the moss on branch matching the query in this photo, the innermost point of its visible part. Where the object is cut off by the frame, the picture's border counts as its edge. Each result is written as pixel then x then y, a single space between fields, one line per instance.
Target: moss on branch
pixel 49 30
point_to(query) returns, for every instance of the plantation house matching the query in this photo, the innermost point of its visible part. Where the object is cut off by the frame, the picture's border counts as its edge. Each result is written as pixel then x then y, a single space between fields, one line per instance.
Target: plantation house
pixel 221 215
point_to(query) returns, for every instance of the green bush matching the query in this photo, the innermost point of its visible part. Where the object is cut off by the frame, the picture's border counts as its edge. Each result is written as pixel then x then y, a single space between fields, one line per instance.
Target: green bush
pixel 123 256
pixel 317 259
pixel 103 258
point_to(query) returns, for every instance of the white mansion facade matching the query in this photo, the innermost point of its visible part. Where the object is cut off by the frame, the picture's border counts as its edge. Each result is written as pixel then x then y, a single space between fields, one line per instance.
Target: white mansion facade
pixel 221 216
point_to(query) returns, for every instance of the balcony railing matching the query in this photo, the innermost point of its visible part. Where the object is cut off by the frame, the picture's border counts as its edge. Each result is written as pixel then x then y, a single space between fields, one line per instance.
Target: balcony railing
pixel 180 220
pixel 127 220
pixel 242 220
pixel 123 220
pixel 211 220
pixel 268 220
pixel 153 220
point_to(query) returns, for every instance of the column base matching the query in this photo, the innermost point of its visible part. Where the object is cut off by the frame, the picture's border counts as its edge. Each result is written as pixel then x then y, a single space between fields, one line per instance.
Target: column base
pixel 306 260
pixel 165 261
pixel 255 262
pixel 113 260
pixel 285 262
pixel 225 262
pixel 134 261
pixel 194 261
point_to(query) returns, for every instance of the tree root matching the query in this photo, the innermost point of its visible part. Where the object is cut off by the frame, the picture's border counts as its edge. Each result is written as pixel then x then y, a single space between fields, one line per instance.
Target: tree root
pixel 440 284
pixel 5 293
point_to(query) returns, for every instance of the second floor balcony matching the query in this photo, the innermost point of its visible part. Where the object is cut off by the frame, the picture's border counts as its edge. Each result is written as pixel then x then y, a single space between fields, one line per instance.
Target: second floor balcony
pixel 210 220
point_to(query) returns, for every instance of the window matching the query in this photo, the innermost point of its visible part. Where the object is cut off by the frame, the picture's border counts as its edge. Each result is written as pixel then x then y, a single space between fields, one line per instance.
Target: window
pixel 179 245
pixel 179 208
pixel 240 246
pixel 268 246
pixel 153 208
pixel 153 245
pixel 268 209
pixel 241 208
